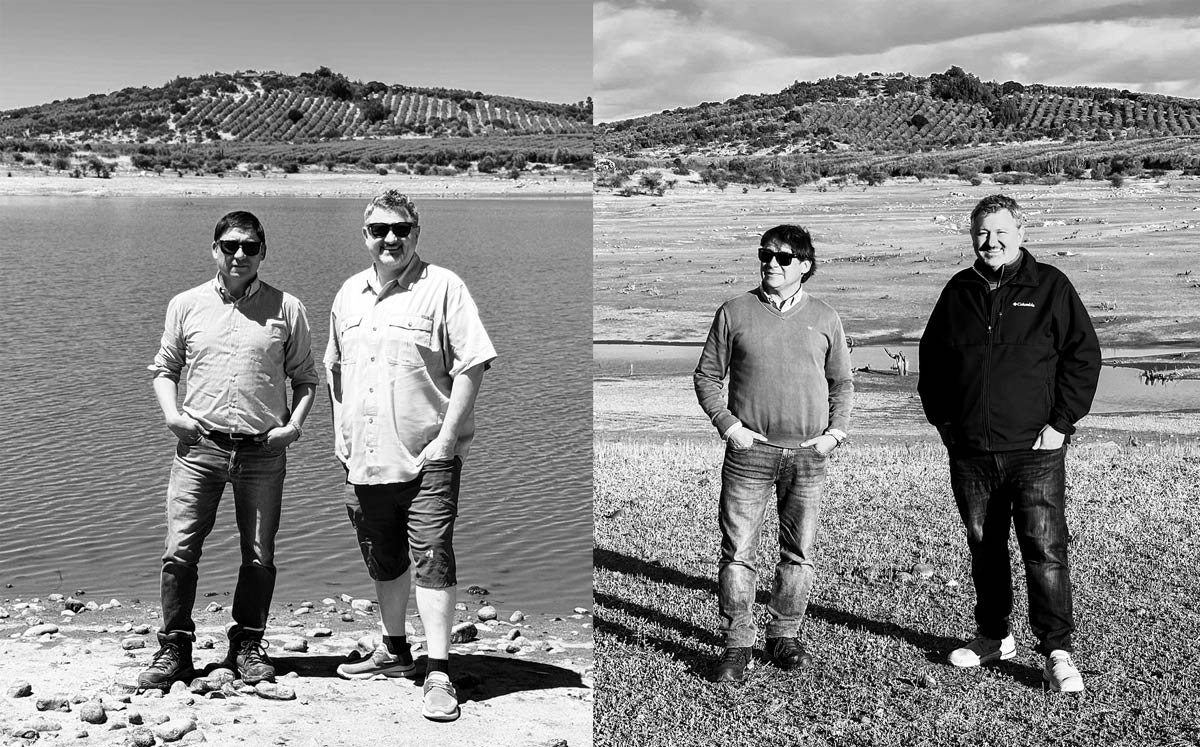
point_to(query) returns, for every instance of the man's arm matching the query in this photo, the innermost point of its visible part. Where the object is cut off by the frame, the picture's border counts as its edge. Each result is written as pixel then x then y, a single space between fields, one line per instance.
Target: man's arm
pixel 1078 371
pixel 463 392
pixel 841 391
pixel 185 428
pixel 167 367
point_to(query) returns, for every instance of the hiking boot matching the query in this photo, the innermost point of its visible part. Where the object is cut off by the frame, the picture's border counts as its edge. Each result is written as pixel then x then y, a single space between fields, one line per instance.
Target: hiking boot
pixel 787 653
pixel 440 701
pixel 1060 673
pixel 248 659
pixel 381 661
pixel 732 665
pixel 981 650
pixel 171 663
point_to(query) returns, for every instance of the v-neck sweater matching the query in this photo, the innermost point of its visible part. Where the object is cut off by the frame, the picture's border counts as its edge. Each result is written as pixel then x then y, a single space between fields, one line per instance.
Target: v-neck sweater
pixel 788 371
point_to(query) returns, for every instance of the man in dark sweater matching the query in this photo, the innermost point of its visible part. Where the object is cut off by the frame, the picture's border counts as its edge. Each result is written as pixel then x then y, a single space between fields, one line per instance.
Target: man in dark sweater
pixel 1009 362
pixel 788 406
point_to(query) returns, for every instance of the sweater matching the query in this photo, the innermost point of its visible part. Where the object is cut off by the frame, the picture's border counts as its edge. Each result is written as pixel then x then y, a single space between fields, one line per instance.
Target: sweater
pixel 789 372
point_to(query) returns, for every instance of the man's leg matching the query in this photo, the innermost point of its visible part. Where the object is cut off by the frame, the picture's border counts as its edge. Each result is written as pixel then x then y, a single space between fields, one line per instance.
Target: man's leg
pixel 1039 516
pixel 198 475
pixel 431 536
pixel 985 506
pixel 257 476
pixel 747 479
pixel 798 498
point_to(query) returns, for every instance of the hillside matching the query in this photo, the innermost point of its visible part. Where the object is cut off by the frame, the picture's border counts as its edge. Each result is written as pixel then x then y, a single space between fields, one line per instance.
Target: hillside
pixel 273 107
pixel 898 118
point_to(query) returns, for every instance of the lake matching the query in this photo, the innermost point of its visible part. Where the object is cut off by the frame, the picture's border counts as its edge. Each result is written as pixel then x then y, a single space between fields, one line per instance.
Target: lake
pixel 84 454
pixel 1121 389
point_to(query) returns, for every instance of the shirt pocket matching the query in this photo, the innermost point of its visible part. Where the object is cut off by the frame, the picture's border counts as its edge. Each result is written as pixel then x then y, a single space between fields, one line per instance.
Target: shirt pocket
pixel 408 340
pixel 350 337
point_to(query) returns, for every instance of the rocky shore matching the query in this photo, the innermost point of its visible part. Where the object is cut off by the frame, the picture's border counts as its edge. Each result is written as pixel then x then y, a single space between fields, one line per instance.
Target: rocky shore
pixel 69 666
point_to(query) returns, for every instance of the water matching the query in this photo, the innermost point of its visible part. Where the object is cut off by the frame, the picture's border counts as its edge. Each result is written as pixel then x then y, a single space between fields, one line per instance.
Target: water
pixel 1121 390
pixel 84 456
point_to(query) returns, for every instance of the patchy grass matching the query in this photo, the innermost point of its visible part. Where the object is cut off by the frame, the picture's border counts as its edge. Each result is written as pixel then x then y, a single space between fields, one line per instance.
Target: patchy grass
pixel 879 636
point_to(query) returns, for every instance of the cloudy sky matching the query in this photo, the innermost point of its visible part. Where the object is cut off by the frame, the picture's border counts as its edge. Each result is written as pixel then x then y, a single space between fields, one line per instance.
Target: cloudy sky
pixel 58 49
pixel 650 55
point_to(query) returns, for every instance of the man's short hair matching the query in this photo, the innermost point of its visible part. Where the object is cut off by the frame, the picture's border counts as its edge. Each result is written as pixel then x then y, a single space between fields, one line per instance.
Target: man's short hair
pixel 242 219
pixel 395 201
pixel 798 238
pixel 996 203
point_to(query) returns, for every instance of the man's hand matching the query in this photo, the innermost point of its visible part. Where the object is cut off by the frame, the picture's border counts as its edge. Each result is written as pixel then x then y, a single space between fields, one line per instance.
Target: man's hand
pixel 1049 439
pixel 742 438
pixel 278 439
pixel 438 449
pixel 185 428
pixel 823 443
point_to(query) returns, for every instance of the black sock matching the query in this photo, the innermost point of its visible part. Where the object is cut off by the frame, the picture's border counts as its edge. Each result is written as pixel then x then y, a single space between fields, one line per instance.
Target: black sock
pixel 397 645
pixel 437 665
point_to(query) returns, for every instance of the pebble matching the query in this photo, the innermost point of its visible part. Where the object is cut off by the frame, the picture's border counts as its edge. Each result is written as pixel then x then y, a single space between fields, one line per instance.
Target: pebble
pixel 487 612
pixel 91 606
pixel 347 598
pixel 303 611
pixel 40 725
pixel 298 646
pixel 141 737
pixel 516 617
pixel 581 610
pixel 129 644
pixel 3 613
pixel 348 617
pixel 55 597
pixel 92 713
pixel 295 624
pixel 922 570
pixel 461 606
pixel 478 591
pixel 927 680
pixel 320 633
pixel 153 693
pixel 206 642
pixel 113 603
pixel 329 601
pixel 43 629
pixel 68 614
pixel 363 605
pixel 53 703
pixel 179 687
pixel 134 717
pixel 20 689
pixel 142 629
pixel 173 730
pixel 514 634
pixel 273 691
pixel 464 632
pixel 213 607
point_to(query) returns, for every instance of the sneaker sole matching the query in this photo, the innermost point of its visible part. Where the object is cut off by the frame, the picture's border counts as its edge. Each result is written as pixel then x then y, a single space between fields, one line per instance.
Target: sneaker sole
pixel 1001 656
pixel 1059 688
pixel 344 671
pixel 441 716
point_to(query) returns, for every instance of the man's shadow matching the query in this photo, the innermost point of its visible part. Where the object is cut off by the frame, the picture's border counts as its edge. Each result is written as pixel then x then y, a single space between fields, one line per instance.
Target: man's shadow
pixel 478 677
pixel 698 660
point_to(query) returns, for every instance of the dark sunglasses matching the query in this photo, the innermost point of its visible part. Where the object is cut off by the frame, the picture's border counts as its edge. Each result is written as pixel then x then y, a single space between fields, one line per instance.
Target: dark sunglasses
pixel 249 248
pixel 783 258
pixel 380 230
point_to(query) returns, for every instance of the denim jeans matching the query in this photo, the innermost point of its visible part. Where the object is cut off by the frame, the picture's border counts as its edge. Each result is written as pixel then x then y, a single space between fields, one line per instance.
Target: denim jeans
pixel 1026 489
pixel 749 478
pixel 198 477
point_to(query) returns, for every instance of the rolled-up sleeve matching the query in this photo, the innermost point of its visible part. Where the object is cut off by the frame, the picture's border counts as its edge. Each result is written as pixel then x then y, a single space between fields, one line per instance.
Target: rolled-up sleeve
pixel 298 361
pixel 467 343
pixel 172 349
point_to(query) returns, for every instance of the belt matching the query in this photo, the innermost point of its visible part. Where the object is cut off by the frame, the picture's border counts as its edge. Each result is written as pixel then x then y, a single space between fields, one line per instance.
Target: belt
pixel 234 439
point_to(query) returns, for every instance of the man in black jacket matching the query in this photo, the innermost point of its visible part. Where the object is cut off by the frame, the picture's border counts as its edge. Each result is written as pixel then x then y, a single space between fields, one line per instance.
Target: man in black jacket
pixel 1009 362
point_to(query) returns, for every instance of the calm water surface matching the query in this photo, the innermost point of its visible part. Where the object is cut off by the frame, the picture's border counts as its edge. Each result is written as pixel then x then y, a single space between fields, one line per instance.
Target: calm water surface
pixel 84 456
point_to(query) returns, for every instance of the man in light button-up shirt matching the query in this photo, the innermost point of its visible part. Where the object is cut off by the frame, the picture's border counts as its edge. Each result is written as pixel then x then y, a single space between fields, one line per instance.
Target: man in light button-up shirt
pixel 406 355
pixel 240 340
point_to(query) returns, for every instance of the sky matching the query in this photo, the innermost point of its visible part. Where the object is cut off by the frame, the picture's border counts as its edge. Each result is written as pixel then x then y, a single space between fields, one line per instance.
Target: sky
pixel 59 49
pixel 651 55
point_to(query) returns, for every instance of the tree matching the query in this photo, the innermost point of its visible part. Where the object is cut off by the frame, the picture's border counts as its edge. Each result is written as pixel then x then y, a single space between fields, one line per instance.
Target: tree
pixel 295 115
pixel 918 120
pixel 373 111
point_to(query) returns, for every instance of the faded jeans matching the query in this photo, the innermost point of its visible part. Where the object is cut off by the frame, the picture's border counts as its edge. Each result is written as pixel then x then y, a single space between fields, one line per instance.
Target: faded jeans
pixel 198 477
pixel 1026 489
pixel 749 478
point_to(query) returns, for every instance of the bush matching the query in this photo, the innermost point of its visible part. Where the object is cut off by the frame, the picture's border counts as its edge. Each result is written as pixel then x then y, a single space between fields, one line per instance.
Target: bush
pixel 382 171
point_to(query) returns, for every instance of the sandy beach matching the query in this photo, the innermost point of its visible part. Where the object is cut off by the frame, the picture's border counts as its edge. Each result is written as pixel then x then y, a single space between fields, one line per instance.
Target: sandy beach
pixel 556 183
pixel 69 679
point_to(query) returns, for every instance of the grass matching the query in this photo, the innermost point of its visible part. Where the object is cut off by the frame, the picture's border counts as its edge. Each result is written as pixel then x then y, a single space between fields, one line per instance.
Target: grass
pixel 878 635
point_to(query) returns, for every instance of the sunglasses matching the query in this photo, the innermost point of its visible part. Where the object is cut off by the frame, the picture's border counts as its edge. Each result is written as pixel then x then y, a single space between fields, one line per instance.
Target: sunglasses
pixel 783 258
pixel 380 230
pixel 249 248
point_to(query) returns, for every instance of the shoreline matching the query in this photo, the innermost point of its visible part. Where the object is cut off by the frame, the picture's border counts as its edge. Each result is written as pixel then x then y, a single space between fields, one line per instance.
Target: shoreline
pixel 525 680
pixel 557 184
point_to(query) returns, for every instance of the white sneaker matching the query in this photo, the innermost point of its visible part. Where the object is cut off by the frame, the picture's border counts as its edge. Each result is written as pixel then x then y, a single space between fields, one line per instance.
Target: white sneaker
pixel 981 650
pixel 1060 673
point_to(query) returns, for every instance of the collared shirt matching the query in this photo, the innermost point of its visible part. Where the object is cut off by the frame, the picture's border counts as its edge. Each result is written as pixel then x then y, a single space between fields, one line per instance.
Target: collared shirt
pixel 786 303
pixel 239 354
pixel 393 353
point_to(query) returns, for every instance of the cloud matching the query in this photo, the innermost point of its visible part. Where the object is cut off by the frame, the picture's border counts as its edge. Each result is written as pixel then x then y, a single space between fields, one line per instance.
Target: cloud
pixel 650 55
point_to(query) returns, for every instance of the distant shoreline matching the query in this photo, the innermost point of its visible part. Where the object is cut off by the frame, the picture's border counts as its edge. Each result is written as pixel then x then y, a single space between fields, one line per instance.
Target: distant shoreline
pixel 314 185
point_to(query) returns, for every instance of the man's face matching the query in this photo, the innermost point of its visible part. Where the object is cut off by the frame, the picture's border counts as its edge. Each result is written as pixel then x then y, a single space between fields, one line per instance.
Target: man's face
pixel 238 267
pixel 997 238
pixel 779 279
pixel 389 252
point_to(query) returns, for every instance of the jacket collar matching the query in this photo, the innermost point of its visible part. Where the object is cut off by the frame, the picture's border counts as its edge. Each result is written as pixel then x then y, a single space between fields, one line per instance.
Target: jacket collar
pixel 1027 273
